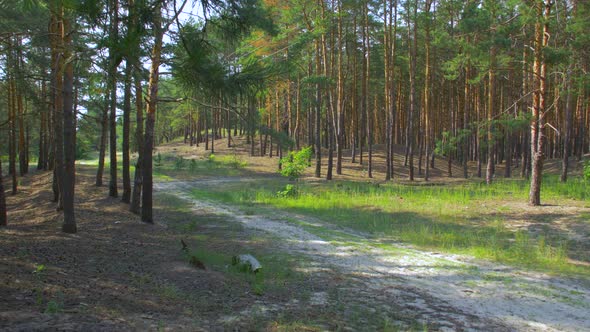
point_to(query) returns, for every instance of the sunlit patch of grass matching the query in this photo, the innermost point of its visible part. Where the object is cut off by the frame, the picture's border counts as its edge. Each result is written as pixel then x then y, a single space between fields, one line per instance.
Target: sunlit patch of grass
pixel 277 268
pixel 462 218
pixel 584 217
pixel 169 166
pixel 172 203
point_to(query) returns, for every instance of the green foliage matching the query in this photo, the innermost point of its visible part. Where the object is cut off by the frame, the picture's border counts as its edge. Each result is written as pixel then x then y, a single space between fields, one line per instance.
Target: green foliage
pixel 463 218
pixel 289 191
pixel 450 143
pixel 512 124
pixel 179 163
pixel 158 159
pixel 39 269
pixel 192 166
pixel 82 149
pixel 53 307
pixel 295 163
pixel 587 171
pixel 280 137
pixel 235 161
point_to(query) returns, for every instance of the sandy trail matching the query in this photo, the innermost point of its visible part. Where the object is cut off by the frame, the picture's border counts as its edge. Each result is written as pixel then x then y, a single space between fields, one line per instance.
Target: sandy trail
pixel 455 292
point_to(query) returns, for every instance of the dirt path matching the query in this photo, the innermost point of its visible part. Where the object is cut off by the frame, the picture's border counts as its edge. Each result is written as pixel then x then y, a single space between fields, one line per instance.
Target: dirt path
pixel 452 292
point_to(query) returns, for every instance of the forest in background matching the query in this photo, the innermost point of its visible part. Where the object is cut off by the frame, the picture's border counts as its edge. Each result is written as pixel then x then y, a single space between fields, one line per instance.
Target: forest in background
pixel 487 82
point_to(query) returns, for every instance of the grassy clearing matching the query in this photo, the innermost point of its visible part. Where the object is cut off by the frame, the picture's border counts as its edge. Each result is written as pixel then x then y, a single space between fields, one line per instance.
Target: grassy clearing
pixel 216 247
pixel 168 166
pixel 465 218
pixel 277 269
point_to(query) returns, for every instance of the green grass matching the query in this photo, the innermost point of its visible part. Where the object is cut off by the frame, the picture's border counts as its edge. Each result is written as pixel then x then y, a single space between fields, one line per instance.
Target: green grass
pixel 278 269
pixel 215 248
pixel 465 218
pixel 167 166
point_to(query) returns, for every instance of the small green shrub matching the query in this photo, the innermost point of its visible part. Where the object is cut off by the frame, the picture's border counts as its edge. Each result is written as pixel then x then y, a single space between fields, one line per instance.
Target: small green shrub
pixel 192 166
pixel 295 163
pixel 289 191
pixel 235 161
pixel 82 150
pixel 211 162
pixel 39 269
pixel 587 171
pixel 179 163
pixel 53 307
pixel 258 288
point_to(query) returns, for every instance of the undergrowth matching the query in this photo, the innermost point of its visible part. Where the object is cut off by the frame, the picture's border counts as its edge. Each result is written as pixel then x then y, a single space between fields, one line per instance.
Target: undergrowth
pixel 466 218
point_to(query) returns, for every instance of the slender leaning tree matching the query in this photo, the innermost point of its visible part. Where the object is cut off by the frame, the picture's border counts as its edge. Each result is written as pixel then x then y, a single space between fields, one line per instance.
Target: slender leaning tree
pixel 543 11
pixel 152 100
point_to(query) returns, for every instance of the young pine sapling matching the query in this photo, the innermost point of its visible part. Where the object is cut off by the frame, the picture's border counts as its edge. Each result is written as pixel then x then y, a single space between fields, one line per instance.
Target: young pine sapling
pixel 293 166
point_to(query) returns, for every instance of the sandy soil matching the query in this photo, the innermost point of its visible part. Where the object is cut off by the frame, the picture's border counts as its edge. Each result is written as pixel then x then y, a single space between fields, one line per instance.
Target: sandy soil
pixel 454 291
pixel 119 274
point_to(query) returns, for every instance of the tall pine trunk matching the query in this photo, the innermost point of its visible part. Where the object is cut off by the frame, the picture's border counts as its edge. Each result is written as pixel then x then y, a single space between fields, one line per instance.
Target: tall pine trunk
pixel 69 134
pixel 367 93
pixel 412 39
pixel 103 145
pixel 318 116
pixel 126 197
pixel 490 109
pixel 568 129
pixel 427 89
pixel 113 64
pixel 22 144
pixel 543 10
pixel 42 157
pixel 386 95
pixel 3 217
pixel 12 135
pixel 58 65
pixel 138 178
pixel 147 203
pixel 339 116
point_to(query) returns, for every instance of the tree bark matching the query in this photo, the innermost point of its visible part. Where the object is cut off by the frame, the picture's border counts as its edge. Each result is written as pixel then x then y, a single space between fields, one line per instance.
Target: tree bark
pixel 138 178
pixel 427 90
pixel 113 64
pixel 69 134
pixel 318 116
pixel 12 136
pixel 339 116
pixel 543 10
pixel 146 208
pixel 3 215
pixel 412 74
pixel 126 197
pixel 466 111
pixel 490 109
pixel 386 93
pixel 58 65
pixel 367 92
pixel 42 160
pixel 22 148
pixel 103 145
pixel 568 129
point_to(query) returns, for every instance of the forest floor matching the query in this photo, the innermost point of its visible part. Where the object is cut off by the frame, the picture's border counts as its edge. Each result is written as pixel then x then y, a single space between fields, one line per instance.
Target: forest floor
pixel 117 273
